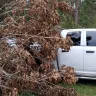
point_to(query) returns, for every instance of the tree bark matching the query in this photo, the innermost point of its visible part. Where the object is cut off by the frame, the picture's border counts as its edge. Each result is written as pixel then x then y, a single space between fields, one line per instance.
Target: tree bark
pixel 77 3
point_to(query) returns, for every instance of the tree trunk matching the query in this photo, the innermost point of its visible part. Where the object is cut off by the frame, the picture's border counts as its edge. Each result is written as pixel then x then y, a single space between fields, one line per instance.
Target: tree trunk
pixel 76 11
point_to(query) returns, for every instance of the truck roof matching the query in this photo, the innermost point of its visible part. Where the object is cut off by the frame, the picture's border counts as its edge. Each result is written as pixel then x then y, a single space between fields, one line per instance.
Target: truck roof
pixel 63 32
pixel 84 29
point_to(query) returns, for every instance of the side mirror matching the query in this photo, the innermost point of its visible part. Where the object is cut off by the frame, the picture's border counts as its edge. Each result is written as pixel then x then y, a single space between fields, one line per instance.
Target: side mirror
pixel 88 38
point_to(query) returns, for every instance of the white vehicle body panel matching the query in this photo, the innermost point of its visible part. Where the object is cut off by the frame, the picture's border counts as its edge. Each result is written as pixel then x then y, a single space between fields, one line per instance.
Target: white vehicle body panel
pixel 89 58
pixel 84 63
pixel 74 57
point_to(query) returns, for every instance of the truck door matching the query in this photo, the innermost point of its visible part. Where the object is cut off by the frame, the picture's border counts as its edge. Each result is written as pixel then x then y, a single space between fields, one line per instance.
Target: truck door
pixel 90 53
pixel 74 57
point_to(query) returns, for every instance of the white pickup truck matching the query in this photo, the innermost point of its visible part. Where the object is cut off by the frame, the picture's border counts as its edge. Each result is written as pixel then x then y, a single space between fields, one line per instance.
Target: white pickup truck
pixel 82 55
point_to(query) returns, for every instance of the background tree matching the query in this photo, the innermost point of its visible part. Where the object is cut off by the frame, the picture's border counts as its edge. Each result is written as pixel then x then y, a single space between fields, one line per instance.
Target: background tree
pixel 87 13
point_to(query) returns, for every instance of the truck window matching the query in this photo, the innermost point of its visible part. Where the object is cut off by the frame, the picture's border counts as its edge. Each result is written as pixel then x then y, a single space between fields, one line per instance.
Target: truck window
pixel 75 37
pixel 91 38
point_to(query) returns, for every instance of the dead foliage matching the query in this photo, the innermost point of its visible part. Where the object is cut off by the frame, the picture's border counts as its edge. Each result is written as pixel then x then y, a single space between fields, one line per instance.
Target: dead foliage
pixel 33 23
pixel 68 75
pixel 19 72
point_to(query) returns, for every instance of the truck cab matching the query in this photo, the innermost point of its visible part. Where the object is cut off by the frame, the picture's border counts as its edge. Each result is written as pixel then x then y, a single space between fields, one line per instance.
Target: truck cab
pixel 82 55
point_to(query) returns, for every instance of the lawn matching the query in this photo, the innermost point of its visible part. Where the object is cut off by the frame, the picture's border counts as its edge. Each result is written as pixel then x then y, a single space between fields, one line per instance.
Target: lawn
pixel 84 87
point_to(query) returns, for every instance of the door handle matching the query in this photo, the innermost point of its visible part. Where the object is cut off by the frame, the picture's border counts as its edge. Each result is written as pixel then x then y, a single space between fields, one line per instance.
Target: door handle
pixel 64 50
pixel 89 51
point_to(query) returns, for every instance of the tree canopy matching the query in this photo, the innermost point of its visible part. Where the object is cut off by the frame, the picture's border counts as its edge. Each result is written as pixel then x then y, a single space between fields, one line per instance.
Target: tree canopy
pixel 87 14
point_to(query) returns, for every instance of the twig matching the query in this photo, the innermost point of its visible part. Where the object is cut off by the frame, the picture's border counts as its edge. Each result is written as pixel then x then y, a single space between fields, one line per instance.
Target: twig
pixel 2 86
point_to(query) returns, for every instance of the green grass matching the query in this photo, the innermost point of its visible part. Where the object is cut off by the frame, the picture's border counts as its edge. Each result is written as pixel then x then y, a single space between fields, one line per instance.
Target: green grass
pixel 84 87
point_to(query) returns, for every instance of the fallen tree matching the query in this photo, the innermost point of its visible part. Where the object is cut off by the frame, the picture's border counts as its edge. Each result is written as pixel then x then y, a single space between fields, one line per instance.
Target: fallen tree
pixel 30 23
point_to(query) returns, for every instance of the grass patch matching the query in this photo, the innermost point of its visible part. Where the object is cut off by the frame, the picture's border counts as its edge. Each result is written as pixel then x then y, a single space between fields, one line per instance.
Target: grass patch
pixel 84 87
